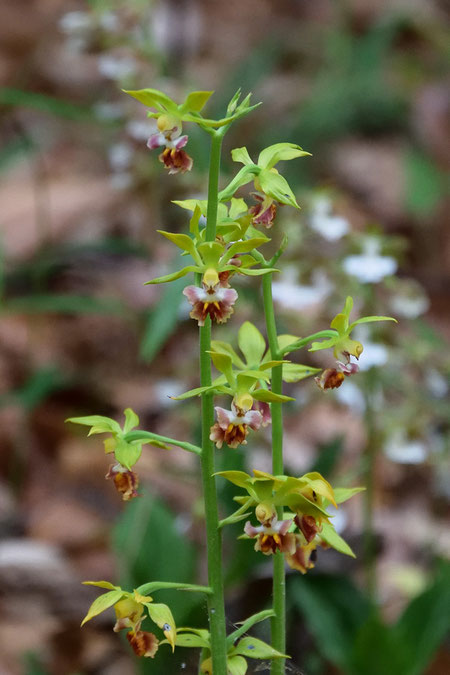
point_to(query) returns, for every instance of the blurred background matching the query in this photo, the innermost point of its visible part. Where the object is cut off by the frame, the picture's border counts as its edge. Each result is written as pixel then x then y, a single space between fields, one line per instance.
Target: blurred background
pixel 363 86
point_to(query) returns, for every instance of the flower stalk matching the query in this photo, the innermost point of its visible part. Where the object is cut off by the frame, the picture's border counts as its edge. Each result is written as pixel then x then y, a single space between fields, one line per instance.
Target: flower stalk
pixel 278 621
pixel 216 602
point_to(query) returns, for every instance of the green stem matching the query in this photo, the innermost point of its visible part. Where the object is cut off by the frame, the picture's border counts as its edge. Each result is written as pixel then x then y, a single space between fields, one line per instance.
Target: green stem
pixel 216 603
pixel 144 435
pixel 278 622
pixel 370 456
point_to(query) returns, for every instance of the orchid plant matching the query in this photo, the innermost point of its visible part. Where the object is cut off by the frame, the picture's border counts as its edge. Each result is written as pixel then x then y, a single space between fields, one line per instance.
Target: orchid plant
pixel 286 516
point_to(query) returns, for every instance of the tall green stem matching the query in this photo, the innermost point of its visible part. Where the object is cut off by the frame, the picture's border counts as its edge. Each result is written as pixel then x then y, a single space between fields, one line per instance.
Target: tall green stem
pixel 278 622
pixel 216 604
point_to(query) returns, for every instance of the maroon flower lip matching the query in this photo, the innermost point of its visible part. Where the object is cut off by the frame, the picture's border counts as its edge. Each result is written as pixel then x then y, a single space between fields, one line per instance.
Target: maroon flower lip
pixel 216 302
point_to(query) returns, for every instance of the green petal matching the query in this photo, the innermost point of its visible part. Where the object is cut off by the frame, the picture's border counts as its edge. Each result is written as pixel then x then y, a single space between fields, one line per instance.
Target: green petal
pixel 173 276
pixel 257 649
pixel 153 99
pixel 333 539
pixel 195 101
pixel 277 187
pixel 99 424
pixel 127 454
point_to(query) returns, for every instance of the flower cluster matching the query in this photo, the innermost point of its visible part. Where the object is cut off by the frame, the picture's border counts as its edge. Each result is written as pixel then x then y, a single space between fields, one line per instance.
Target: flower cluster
pixel 306 523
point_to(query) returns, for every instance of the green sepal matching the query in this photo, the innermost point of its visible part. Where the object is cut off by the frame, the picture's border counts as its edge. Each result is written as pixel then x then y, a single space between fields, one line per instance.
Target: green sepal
pixel 270 397
pixel 277 187
pixel 251 343
pixel 256 273
pixel 236 665
pixel 102 584
pixel 198 391
pixel 243 247
pixel 333 539
pixel 278 152
pixel 160 614
pixel 295 372
pixel 239 478
pixel 131 420
pixel 244 626
pixel 241 155
pixel 243 176
pixel 211 252
pixel 191 640
pixel 301 504
pixel 153 98
pixel 192 204
pixel 183 241
pixel 268 365
pixel 371 319
pixel 127 454
pixel 103 602
pixel 223 363
pixel 343 494
pixel 99 424
pixel 174 275
pixel 153 586
pixel 195 101
pixel 225 348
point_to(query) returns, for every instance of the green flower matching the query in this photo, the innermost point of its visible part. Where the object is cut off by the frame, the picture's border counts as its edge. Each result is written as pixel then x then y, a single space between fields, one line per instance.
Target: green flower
pixel 342 344
pixel 130 609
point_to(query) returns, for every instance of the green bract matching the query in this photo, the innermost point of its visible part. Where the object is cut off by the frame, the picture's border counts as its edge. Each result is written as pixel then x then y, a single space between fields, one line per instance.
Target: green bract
pixel 265 176
pixel 126 453
pixel 342 343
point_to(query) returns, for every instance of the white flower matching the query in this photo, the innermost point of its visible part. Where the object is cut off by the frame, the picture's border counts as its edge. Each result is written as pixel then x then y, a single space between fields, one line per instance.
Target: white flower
pixel 370 267
pixel 323 222
pixel 404 450
pixel 116 67
pixel 297 297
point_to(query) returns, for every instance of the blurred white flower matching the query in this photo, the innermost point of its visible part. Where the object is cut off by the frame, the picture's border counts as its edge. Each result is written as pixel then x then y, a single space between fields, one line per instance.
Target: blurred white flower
pixel 75 23
pixel 109 21
pixel 370 267
pixel 409 299
pixel 120 156
pixel 140 130
pixel 405 450
pixel 108 111
pixel 116 67
pixel 340 518
pixel 291 295
pixel 351 396
pixel 437 384
pixel 121 180
pixel 322 221
pixel 374 354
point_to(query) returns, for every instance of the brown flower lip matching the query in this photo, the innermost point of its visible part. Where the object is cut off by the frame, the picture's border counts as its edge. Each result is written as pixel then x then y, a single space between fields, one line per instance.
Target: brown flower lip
pixel 125 481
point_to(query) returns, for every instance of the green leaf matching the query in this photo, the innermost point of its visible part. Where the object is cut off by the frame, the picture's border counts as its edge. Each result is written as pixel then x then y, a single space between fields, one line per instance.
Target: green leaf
pixel 153 99
pixel 244 626
pixel 236 665
pixel 100 423
pixel 127 454
pixel 277 187
pixel 257 649
pixel 333 539
pixel 131 420
pixel 195 101
pixel 294 372
pixel 183 241
pixel 423 625
pixel 270 397
pixel 102 603
pixel 280 151
pixel 251 343
pixel 173 275
pixel 241 155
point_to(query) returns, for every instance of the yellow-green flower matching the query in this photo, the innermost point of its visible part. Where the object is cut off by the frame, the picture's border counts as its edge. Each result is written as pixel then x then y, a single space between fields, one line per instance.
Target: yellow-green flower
pixel 130 609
